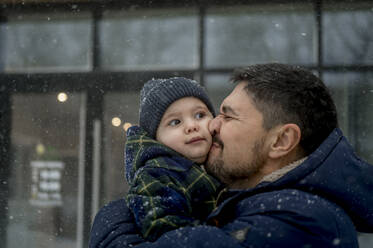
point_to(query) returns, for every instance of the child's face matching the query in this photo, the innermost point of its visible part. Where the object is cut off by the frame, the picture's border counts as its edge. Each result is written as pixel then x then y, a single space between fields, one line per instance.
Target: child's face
pixel 184 128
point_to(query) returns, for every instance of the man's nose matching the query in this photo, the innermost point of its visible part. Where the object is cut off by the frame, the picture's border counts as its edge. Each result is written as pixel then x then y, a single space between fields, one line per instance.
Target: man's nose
pixel 214 126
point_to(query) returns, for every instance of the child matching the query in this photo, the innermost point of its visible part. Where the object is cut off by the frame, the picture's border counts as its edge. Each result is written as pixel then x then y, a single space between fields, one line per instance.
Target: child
pixel 168 187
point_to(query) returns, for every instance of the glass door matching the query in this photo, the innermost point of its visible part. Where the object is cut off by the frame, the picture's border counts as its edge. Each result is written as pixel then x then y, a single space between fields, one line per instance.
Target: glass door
pixel 45 141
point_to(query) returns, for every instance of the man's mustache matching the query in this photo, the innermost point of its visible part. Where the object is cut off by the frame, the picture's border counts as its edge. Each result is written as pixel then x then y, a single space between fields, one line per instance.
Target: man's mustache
pixel 218 141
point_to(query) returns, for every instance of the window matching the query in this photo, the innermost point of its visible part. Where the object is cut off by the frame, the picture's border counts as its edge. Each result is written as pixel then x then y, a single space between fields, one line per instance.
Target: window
pixel 143 40
pixel 348 38
pixel 47 43
pixel 44 170
pixel 353 95
pixel 239 36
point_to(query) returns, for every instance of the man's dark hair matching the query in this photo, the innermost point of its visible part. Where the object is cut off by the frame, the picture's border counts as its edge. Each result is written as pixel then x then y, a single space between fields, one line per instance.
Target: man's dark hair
pixel 291 94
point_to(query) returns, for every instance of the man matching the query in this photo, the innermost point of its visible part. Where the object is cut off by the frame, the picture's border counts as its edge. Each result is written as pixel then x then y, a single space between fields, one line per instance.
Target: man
pixel 292 178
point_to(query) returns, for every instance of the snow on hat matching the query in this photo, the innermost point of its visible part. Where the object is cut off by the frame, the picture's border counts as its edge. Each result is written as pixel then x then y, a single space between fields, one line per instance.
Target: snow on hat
pixel 158 94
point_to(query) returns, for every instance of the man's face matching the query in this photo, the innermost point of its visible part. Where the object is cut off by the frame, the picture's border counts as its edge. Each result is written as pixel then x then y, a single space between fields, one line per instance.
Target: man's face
pixel 239 144
pixel 184 128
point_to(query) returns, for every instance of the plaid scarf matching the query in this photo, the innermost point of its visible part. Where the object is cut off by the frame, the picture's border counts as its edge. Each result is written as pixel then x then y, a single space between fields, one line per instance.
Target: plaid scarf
pixel 167 191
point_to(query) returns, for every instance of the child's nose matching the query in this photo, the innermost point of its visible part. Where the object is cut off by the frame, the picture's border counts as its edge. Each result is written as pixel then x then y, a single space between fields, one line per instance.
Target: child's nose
pixel 191 126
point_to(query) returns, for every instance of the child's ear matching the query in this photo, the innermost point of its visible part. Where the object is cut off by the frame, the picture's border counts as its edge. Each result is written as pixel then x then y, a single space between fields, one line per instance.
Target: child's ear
pixel 285 140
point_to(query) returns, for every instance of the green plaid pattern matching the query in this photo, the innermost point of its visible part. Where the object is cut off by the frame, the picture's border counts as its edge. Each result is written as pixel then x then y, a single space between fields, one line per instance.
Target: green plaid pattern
pixel 167 191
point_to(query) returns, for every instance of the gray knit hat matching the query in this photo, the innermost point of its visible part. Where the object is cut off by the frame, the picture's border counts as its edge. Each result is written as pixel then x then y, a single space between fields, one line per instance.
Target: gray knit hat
pixel 158 94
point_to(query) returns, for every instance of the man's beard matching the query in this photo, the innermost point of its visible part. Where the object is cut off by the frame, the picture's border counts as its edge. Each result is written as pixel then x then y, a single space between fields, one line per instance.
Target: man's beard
pixel 229 174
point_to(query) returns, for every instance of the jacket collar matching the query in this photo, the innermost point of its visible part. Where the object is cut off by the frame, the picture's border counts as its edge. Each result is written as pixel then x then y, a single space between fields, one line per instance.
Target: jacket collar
pixel 277 174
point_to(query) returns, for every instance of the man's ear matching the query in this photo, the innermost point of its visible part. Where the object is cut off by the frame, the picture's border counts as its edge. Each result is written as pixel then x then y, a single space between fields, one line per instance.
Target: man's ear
pixel 285 140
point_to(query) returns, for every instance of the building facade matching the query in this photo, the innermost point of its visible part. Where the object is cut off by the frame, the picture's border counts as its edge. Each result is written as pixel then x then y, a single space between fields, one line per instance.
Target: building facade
pixel 71 72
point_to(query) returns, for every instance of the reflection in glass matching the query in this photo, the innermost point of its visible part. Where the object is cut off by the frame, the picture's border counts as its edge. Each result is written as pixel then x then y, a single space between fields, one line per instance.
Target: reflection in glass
pixel 123 106
pixel 44 171
pixel 62 97
pixel 149 39
pixel 353 94
pixel 218 87
pixel 40 43
pixel 348 37
pixel 341 90
pixel 257 34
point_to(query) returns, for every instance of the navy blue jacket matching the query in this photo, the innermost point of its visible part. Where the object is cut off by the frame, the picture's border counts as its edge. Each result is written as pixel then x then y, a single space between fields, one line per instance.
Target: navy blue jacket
pixel 320 203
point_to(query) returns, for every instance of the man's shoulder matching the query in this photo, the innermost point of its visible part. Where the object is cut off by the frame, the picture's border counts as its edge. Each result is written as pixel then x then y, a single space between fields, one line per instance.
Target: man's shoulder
pixel 297 216
pixel 292 205
pixel 286 203
pixel 285 199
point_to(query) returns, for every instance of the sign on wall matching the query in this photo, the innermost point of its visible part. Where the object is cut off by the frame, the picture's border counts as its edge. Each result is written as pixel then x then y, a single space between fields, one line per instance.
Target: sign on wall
pixel 46 183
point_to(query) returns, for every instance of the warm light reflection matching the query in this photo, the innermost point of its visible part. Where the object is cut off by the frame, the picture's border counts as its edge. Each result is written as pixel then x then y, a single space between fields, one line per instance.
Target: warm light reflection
pixel 62 97
pixel 116 121
pixel 126 126
pixel 40 149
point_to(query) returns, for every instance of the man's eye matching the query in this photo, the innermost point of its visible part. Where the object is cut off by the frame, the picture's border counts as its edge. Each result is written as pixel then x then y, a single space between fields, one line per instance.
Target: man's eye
pixel 200 115
pixel 227 117
pixel 174 122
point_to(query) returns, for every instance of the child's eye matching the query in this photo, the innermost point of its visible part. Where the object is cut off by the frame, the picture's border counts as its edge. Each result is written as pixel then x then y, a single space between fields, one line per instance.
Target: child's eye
pixel 174 122
pixel 200 115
